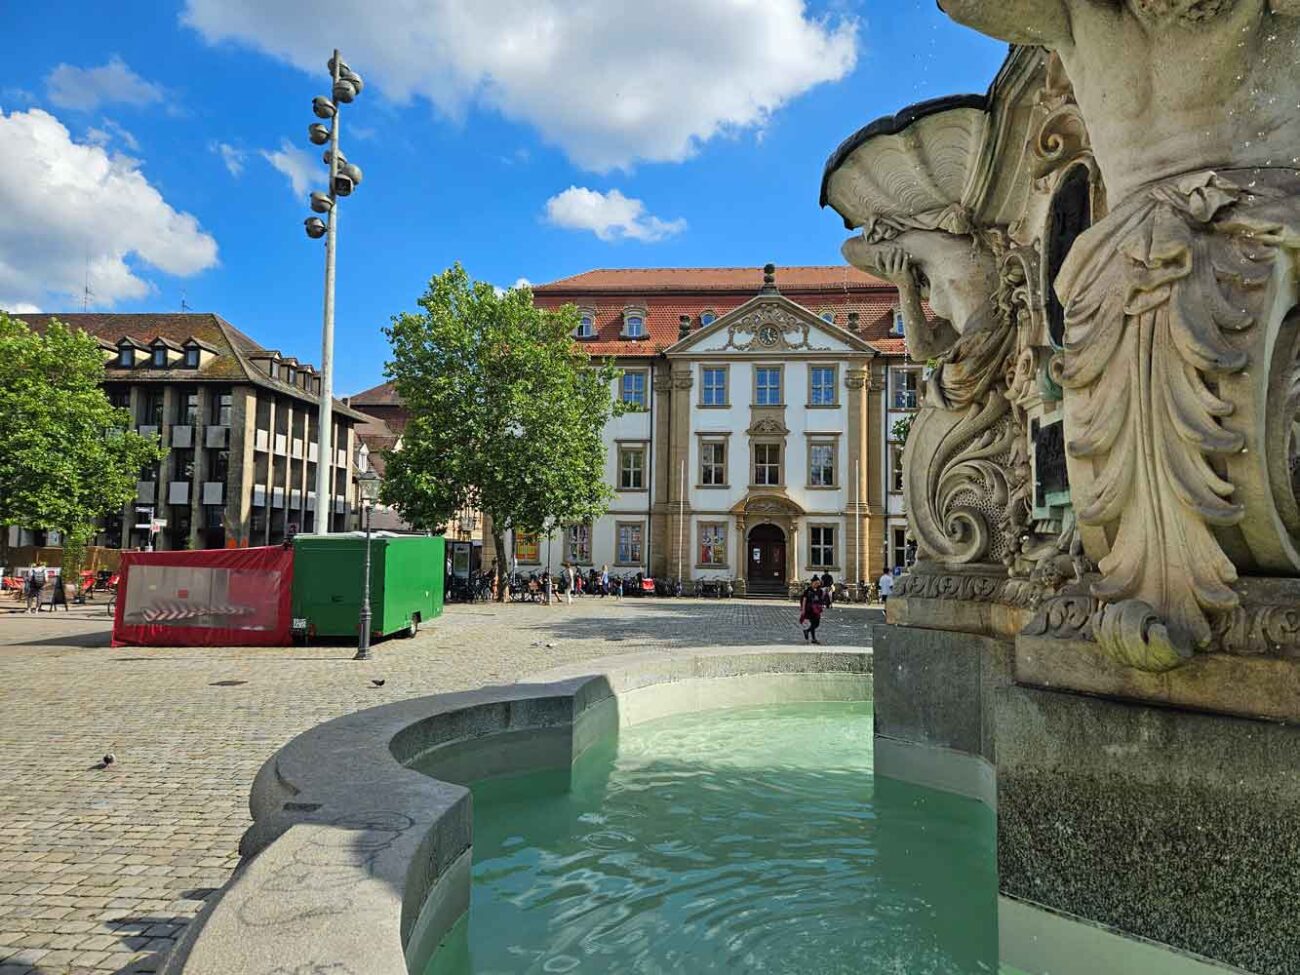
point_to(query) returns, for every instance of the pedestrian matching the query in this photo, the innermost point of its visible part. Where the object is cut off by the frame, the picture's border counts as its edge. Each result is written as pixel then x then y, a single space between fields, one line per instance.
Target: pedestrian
pixel 35 585
pixel 828 588
pixel 811 605
pixel 885 585
pixel 604 581
pixel 572 578
pixel 546 586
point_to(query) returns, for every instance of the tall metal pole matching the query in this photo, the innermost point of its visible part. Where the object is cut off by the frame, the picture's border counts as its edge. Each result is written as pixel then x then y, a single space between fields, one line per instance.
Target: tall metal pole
pixel 363 638
pixel 857 514
pixel 325 422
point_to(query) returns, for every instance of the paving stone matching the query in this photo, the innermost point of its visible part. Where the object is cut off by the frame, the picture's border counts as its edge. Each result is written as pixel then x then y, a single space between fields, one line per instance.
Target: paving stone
pixel 73 838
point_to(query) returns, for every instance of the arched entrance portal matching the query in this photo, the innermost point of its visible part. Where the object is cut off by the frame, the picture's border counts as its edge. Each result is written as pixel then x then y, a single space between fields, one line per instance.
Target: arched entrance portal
pixel 765 557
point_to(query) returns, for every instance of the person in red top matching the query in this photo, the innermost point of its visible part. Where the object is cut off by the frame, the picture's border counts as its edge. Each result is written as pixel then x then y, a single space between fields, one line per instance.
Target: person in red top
pixel 811 605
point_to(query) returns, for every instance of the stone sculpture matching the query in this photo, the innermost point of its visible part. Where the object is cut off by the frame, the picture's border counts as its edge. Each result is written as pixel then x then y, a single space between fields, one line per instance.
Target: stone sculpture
pixel 1182 339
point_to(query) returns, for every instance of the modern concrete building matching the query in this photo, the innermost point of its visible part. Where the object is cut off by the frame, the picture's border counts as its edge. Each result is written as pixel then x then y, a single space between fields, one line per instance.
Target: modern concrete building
pixel 239 421
pixel 759 445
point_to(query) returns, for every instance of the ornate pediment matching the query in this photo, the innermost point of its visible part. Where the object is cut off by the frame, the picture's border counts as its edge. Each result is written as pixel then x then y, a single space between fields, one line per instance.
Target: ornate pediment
pixel 770 325
pixel 768 426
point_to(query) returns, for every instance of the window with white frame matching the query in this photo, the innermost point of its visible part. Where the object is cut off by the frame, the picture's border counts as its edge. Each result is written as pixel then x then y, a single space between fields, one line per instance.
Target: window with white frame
pixel 821 464
pixel 713 386
pixel 577 546
pixel 586 324
pixel 767 463
pixel 634 323
pixel 713 544
pixel 632 389
pixel 904 388
pixel 629 542
pixel 708 318
pixel 821 546
pixel 713 463
pixel 767 386
pixel 828 316
pixel 631 468
pixel 898 327
pixel 821 386
pixel 898 545
pixel 896 468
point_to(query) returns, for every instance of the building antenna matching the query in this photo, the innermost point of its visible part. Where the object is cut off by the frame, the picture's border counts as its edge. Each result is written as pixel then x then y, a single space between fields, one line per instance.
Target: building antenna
pixel 184 305
pixel 86 293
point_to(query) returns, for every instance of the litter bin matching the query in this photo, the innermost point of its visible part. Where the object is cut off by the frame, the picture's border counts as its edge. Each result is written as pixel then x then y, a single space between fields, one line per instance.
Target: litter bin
pixel 406 578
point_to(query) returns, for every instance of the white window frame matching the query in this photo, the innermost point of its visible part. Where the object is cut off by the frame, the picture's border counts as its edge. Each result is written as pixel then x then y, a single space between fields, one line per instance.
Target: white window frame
pixel 754 465
pixel 630 313
pixel 901 398
pixel 760 388
pixel 821 552
pixel 833 447
pixel 832 389
pixel 577 543
pixel 628 450
pixel 708 317
pixel 586 317
pixel 712 534
pixel 705 444
pixel 644 376
pixel 705 388
pixel 635 556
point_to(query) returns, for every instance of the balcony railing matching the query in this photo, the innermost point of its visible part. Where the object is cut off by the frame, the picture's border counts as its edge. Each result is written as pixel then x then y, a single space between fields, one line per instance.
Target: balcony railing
pixel 214 492
pixel 217 437
pixel 178 492
pixel 182 436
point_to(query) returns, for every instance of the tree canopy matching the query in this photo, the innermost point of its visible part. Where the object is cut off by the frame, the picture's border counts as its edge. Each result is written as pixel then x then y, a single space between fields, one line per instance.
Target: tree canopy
pixel 506 412
pixel 67 456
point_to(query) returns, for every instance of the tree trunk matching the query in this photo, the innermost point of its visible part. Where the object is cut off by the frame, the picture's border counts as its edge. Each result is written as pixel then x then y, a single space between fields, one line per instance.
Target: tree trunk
pixel 502 570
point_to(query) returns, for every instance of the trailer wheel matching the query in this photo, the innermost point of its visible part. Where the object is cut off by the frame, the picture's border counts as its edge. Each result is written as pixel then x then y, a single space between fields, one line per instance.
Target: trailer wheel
pixel 412 628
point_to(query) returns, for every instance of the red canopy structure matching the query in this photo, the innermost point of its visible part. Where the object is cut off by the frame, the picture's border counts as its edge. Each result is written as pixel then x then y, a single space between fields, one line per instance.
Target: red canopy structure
pixel 210 598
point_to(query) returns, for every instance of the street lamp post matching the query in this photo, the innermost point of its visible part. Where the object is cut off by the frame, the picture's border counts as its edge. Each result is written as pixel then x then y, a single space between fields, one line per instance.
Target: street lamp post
pixel 344 177
pixel 368 487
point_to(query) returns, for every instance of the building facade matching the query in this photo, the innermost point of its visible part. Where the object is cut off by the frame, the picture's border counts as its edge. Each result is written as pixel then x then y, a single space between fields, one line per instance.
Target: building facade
pixel 759 442
pixel 239 422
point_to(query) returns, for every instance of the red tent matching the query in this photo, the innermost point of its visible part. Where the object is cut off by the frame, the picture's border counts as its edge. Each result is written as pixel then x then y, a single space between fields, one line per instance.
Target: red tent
pixel 208 598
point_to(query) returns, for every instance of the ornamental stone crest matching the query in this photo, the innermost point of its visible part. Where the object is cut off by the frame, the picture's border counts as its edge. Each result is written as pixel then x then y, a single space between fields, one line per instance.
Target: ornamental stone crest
pixel 771 327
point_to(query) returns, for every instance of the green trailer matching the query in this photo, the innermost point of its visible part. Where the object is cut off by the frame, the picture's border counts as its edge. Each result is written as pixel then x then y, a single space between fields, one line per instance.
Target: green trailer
pixel 406 579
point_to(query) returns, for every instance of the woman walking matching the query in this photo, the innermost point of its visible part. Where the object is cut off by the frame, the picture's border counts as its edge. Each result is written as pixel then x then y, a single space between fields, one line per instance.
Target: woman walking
pixel 811 605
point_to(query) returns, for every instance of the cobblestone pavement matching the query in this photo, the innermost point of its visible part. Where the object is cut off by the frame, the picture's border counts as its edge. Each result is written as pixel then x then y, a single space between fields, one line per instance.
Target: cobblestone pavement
pixel 100 868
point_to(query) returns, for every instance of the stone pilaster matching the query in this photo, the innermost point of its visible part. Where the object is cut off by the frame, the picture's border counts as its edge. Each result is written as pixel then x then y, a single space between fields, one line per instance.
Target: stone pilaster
pixel 661 434
pixel 878 467
pixel 856 557
pixel 679 508
pixel 198 438
pixel 240 467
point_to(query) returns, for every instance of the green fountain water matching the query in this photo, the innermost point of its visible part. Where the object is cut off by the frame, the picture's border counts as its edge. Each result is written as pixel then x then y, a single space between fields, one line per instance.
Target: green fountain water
pixel 752 840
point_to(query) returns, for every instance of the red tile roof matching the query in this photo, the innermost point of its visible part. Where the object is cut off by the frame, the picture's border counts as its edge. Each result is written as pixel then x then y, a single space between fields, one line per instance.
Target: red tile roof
pixel 745 279
pixel 385 394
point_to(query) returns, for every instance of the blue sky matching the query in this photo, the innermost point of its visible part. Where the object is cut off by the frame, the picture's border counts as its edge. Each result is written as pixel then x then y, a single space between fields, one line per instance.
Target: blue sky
pixel 139 143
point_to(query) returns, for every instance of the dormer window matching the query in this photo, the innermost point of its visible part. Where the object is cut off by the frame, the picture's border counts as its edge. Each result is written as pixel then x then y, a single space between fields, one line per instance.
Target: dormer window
pixel 707 318
pixel 586 324
pixel 897 328
pixel 273 369
pixel 828 316
pixel 191 357
pixel 125 356
pixel 159 357
pixel 634 323
pixel 289 374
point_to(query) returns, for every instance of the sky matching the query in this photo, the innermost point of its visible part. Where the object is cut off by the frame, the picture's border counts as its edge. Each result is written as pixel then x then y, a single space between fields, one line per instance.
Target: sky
pixel 154 154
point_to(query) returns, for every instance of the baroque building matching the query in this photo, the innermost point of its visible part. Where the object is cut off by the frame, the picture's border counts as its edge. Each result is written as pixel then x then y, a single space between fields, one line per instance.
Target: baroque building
pixel 239 422
pixel 758 444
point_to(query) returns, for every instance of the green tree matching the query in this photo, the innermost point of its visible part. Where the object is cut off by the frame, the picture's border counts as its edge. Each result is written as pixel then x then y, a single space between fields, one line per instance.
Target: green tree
pixel 506 412
pixel 67 456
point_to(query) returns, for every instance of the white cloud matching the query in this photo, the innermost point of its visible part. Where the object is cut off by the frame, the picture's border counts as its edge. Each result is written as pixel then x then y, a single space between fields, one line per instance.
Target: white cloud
pixel 110 130
pixel 85 89
pixel 299 166
pixel 609 81
pixel 231 156
pixel 610 216
pixel 23 308
pixel 71 211
pixel 522 283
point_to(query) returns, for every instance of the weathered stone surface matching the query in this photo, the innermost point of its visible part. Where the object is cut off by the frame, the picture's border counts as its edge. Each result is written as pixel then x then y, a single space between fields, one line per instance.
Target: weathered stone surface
pixel 1178 827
